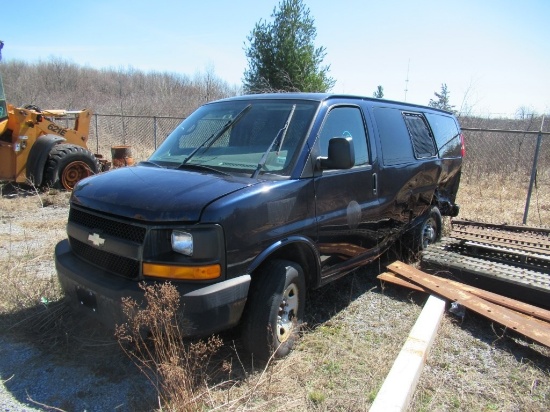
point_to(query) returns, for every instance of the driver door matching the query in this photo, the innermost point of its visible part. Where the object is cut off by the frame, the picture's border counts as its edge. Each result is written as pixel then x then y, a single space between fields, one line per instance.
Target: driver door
pixel 346 200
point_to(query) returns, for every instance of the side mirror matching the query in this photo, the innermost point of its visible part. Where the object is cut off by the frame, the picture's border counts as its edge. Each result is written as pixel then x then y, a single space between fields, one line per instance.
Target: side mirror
pixel 341 154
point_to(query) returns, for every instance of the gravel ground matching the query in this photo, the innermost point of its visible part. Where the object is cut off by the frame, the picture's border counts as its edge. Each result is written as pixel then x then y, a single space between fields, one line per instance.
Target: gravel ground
pixel 81 371
pixel 32 379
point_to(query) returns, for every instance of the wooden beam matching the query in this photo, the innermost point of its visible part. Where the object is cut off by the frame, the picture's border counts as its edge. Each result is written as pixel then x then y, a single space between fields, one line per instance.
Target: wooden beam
pixel 533 328
pixel 399 386
pixel 396 280
pixel 509 303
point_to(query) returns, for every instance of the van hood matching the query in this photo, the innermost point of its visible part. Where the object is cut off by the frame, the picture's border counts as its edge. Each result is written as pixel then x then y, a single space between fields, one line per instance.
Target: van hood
pixel 155 194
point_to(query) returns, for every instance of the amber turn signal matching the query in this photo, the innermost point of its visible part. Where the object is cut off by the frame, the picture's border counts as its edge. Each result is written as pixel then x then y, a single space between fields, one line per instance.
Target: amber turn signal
pixel 181 272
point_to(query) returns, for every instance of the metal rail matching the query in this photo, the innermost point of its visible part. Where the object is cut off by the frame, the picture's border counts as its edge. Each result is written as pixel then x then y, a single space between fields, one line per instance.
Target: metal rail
pixel 511 260
pixel 525 242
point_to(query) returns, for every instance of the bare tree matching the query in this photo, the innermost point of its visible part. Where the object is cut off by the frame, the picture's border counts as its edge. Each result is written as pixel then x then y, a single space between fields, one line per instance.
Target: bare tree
pixel 59 84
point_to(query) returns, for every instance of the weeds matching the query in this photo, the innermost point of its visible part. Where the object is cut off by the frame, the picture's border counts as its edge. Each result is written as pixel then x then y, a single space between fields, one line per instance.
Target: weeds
pixel 154 340
pixel 500 198
pixel 28 233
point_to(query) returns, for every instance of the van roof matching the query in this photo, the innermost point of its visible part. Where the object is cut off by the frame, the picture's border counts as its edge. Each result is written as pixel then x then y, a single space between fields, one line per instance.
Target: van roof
pixel 320 97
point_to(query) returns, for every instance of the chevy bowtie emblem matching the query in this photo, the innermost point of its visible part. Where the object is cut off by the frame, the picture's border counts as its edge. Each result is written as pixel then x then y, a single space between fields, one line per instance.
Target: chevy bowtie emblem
pixel 96 239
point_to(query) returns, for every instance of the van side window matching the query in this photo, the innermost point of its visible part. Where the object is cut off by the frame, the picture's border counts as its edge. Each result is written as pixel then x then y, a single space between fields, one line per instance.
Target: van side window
pixel 446 133
pixel 396 145
pixel 347 122
pixel 421 136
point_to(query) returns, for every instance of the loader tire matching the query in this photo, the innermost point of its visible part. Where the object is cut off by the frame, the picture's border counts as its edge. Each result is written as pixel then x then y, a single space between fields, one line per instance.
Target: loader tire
pixel 33 107
pixel 67 164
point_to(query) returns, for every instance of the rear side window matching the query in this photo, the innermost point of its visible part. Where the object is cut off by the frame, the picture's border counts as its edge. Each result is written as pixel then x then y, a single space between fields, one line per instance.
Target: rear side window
pixel 394 137
pixel 447 135
pixel 421 137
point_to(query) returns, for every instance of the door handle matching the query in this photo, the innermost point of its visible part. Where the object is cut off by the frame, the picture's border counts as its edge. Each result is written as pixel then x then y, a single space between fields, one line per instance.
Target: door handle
pixel 374 184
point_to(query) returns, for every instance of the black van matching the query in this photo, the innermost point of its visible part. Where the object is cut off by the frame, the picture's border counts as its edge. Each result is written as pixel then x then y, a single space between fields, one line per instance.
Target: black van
pixel 253 200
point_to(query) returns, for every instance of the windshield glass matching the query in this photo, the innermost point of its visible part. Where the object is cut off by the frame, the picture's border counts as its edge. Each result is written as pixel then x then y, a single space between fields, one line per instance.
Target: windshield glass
pixel 239 136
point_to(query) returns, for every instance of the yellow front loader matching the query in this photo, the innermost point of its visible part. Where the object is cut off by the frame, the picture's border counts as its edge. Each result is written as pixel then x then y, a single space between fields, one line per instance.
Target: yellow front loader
pixel 38 147
pixel 34 149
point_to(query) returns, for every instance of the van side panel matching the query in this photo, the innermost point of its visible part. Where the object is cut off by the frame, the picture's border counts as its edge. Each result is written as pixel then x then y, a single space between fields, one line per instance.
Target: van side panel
pixel 447 137
pixel 406 184
pixel 256 218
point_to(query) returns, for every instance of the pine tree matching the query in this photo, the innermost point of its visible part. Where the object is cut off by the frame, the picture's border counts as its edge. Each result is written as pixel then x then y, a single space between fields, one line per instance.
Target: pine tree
pixel 281 55
pixel 379 93
pixel 443 99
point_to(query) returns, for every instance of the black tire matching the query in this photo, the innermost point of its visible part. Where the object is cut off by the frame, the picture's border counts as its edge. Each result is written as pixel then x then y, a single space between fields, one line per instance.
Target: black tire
pixel 67 164
pixel 275 310
pixel 428 231
pixel 32 107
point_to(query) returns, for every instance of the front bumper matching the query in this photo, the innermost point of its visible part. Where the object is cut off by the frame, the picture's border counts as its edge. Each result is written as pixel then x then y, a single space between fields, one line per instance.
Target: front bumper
pixel 206 309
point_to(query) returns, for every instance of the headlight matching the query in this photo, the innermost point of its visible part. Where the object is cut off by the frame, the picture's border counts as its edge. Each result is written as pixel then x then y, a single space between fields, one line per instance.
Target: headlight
pixel 182 242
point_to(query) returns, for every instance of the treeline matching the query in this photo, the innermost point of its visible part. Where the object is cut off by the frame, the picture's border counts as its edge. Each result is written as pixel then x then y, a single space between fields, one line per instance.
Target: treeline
pixel 58 84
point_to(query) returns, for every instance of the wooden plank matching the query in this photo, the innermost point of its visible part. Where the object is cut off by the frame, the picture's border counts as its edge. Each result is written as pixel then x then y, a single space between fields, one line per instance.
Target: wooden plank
pixel 396 280
pixel 399 386
pixel 509 303
pixel 536 329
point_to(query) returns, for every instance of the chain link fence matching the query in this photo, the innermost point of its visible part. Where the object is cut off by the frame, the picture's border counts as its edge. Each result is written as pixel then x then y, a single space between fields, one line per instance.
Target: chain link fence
pixel 506 171
pixel 497 169
pixel 142 133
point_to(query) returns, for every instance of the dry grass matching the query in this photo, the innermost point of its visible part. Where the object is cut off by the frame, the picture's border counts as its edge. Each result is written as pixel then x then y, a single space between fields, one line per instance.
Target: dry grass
pixel 31 224
pixel 355 329
pixel 478 366
pixel 154 340
pixel 354 333
pixel 500 199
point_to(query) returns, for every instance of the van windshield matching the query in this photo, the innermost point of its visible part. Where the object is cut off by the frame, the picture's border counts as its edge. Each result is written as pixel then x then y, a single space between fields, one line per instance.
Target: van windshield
pixel 241 136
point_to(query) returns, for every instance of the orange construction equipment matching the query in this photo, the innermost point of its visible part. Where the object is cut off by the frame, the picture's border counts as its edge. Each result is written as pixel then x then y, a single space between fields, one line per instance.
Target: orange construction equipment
pixel 37 150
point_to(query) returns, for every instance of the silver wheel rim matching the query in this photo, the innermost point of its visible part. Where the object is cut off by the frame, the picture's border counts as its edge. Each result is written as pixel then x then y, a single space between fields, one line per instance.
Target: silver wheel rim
pixel 287 312
pixel 429 232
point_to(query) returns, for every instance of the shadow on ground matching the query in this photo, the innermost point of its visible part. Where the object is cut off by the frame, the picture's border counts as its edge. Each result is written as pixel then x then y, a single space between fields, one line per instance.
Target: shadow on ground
pixel 49 359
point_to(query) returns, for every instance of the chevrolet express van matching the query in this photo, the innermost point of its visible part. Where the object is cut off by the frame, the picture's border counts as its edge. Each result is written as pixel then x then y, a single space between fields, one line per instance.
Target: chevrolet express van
pixel 253 201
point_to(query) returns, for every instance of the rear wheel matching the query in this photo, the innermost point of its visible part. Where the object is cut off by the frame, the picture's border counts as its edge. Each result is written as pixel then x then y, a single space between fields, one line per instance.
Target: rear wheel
pixel 275 310
pixel 429 231
pixel 68 164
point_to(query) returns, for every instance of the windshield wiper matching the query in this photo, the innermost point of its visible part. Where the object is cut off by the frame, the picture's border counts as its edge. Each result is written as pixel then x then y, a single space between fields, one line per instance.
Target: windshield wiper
pixel 282 134
pixel 198 166
pixel 149 163
pixel 212 139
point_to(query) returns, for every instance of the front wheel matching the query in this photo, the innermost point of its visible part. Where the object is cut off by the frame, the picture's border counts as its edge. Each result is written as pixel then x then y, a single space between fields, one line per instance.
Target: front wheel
pixel 68 164
pixel 275 310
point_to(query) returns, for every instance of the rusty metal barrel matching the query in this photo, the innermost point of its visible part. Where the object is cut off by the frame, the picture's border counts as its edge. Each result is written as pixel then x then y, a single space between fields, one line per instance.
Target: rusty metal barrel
pixel 122 156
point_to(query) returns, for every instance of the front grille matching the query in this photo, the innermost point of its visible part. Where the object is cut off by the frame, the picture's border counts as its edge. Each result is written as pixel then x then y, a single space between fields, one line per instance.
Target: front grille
pixel 111 261
pixel 114 228
pixel 119 265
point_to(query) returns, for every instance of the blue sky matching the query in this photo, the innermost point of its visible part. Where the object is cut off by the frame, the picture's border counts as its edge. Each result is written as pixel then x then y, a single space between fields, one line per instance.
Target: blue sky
pixel 494 56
